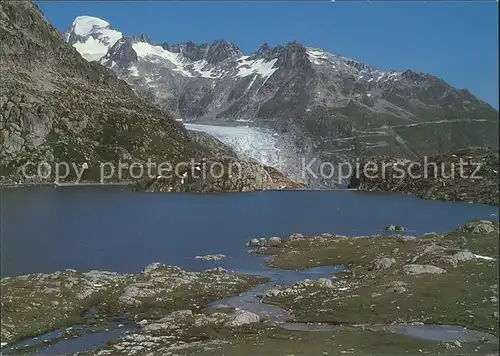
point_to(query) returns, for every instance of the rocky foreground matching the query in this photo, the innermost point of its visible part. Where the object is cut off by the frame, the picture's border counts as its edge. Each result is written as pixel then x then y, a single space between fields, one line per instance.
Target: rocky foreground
pixel 389 281
pixel 447 278
pixel 479 182
pixel 38 303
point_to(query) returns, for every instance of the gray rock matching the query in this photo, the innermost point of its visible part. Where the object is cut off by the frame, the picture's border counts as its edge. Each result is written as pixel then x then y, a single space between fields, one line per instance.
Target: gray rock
pixel 462 240
pixel 217 257
pixel 274 241
pixel 325 283
pixel 415 269
pixel 242 318
pixel 133 293
pixel 428 250
pixel 216 270
pixel 175 320
pixel 177 315
pixel 395 228
pixel 405 238
pixel 464 255
pixel 296 236
pixel 151 267
pixel 485 227
pixel 383 263
pixel 480 227
pixel 15 126
pixel 253 243
pixel 274 292
pixel 398 290
pixel 12 141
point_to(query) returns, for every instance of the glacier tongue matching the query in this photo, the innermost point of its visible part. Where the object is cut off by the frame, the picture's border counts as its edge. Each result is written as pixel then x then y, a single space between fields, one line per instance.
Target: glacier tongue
pixel 248 142
pixel 274 150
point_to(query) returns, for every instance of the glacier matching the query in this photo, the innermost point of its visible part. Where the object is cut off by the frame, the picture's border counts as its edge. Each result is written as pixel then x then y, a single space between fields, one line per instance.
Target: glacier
pixel 258 144
pixel 267 147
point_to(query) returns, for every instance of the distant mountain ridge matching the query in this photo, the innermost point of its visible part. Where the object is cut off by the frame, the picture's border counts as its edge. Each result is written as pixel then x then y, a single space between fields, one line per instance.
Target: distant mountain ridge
pixel 323 105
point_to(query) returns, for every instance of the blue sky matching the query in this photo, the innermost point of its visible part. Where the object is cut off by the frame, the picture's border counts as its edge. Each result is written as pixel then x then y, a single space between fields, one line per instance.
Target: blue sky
pixel 457 41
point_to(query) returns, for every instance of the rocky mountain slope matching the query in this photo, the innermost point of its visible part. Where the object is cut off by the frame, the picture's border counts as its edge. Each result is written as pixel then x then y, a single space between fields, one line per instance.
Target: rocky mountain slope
pixel 328 106
pixel 58 107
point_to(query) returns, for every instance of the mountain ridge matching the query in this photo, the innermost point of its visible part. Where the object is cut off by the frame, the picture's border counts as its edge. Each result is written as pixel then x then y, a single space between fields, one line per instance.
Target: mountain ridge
pixel 264 51
pixel 334 107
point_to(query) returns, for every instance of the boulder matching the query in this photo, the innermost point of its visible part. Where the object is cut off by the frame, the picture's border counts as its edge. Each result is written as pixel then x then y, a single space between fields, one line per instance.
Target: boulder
pixel 253 243
pixel 422 269
pixel 217 257
pixel 383 263
pixel 325 283
pixel 176 320
pixel 429 250
pixel 274 241
pixel 479 227
pixel 296 236
pixel 398 290
pixel 151 267
pixel 464 255
pixel 274 292
pixel 242 317
pixel 395 228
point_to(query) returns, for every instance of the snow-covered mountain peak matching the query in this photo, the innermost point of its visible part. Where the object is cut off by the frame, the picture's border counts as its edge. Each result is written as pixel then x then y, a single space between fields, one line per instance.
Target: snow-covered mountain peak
pixel 92 37
pixel 84 25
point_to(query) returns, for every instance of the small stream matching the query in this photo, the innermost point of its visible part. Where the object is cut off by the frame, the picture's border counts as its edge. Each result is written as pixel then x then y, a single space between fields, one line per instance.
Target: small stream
pixel 252 300
pixel 76 338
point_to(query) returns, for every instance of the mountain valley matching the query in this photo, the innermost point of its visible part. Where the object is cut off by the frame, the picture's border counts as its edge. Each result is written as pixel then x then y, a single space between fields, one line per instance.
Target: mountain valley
pixel 318 105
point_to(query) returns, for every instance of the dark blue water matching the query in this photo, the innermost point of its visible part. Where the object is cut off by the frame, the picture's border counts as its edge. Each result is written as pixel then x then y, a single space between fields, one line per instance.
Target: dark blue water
pixel 49 229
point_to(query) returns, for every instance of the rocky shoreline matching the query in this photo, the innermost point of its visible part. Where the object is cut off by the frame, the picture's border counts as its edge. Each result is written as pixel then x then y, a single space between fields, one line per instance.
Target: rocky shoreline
pixel 440 182
pixel 222 174
pixel 389 282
